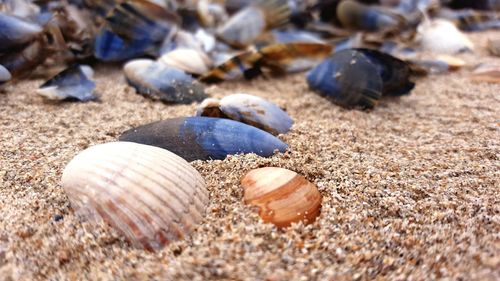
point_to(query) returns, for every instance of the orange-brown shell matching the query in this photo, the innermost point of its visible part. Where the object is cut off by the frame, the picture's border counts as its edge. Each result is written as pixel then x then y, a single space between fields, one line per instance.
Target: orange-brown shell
pixel 283 196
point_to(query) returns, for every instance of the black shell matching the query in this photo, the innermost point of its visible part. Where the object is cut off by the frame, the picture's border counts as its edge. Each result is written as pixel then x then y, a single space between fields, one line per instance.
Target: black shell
pixel 359 77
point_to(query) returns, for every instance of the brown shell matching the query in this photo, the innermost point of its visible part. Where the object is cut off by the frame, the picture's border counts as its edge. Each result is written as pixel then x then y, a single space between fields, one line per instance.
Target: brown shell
pixel 149 194
pixel 283 196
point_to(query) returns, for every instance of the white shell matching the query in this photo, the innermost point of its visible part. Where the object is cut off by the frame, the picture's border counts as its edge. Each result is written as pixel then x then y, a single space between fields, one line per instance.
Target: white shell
pixel 149 194
pixel 188 60
pixel 442 36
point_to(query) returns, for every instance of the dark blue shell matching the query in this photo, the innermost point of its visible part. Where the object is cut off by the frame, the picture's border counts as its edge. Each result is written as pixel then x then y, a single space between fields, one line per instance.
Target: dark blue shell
pixel 395 73
pixel 110 47
pixel 359 77
pixel 203 138
pixel 348 78
pixel 14 32
pixel 71 83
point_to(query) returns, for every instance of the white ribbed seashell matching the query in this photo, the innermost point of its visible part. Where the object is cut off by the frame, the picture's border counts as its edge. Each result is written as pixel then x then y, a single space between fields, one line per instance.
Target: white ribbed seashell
pixel 149 194
pixel 443 37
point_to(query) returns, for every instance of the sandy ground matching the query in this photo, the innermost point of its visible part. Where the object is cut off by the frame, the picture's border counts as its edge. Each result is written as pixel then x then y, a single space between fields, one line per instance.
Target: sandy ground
pixel 411 189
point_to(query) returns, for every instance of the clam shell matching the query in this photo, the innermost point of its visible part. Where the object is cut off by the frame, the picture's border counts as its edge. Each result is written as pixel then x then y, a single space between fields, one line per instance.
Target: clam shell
pixel 442 37
pixel 149 194
pixel 248 109
pixel 203 138
pixel 188 60
pixel 158 81
pixel 488 72
pixel 283 196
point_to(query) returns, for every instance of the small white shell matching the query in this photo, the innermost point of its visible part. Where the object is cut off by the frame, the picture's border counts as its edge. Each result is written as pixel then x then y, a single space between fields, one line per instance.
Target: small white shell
pixel 443 37
pixel 188 60
pixel 149 194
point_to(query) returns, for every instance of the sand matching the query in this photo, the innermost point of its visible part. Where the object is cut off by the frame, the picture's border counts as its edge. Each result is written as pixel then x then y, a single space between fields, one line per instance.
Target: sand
pixel 411 189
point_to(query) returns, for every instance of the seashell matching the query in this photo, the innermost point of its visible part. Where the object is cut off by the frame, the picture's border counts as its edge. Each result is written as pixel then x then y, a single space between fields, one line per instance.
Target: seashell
pixel 203 138
pixel 240 65
pixel 15 32
pixel 140 20
pixel 489 73
pixel 354 15
pixel 72 83
pixel 149 194
pixel 359 77
pixel 292 36
pixel 158 81
pixel 20 8
pixel 188 60
pixel 453 63
pixel 249 23
pixel 4 75
pixel 211 14
pixel 442 36
pixel 293 57
pixel 248 109
pixel 429 66
pixel 283 196
pixel 181 39
pixel 207 40
pixel 276 58
pixel 108 46
pixel 494 47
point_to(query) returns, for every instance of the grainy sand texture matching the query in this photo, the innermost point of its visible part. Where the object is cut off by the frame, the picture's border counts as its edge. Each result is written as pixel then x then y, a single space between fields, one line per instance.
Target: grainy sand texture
pixel 411 189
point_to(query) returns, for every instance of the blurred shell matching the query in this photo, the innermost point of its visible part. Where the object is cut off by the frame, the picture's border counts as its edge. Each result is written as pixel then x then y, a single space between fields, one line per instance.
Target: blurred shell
pixel 188 60
pixel 14 32
pixel 245 26
pixel 158 81
pixel 275 58
pixel 442 36
pixel 211 14
pixel 4 74
pixel 248 109
pixel 486 73
pixel 359 77
pixel 293 57
pixel 283 196
pixel 354 15
pixel 72 83
pixel 109 46
pixel 494 47
pixel 453 63
pixel 149 194
pixel 203 138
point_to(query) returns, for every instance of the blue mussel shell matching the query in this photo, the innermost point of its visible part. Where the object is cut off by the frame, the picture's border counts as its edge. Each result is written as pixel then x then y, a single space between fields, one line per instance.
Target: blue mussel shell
pixel 203 138
pixel 359 77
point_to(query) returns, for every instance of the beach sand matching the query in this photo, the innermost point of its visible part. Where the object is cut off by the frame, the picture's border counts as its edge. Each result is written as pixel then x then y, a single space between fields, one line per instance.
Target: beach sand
pixel 411 189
